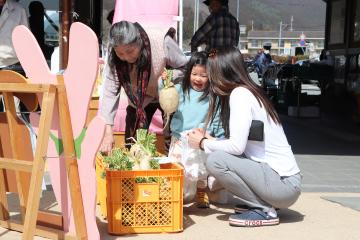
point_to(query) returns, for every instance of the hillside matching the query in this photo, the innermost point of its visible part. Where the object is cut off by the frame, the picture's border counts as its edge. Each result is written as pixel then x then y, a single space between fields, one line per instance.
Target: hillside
pixel 267 14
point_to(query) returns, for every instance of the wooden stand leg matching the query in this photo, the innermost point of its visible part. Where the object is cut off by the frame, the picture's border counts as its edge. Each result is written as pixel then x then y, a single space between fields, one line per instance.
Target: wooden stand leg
pixel 4 208
pixel 15 137
pixel 31 199
pixel 71 161
pixel 39 165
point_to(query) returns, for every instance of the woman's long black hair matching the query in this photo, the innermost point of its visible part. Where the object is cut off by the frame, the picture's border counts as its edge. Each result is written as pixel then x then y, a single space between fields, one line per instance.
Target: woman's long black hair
pixel 226 70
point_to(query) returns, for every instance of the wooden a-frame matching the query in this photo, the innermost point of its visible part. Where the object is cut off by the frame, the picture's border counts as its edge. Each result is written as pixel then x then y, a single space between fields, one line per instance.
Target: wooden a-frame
pixel 30 200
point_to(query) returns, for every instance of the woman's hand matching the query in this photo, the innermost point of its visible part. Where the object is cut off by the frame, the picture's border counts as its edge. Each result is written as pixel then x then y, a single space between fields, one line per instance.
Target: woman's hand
pixel 195 136
pixel 108 140
pixel 206 134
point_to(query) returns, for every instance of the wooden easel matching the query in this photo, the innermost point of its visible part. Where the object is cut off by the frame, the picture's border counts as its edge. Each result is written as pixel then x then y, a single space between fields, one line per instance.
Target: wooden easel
pixel 29 200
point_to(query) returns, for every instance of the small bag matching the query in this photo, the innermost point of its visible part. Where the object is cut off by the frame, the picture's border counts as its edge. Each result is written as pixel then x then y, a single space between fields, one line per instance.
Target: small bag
pixel 256 132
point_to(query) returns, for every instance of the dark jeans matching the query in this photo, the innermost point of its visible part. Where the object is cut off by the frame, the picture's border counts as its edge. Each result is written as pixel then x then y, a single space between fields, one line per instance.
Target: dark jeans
pixel 150 109
pixel 16 67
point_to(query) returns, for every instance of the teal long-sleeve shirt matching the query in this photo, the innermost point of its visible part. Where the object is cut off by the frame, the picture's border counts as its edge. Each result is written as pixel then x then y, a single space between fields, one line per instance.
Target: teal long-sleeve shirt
pixel 191 113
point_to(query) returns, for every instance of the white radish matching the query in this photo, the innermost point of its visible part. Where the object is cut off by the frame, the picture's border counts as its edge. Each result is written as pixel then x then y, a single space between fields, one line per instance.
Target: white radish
pixel 145 162
pixel 168 97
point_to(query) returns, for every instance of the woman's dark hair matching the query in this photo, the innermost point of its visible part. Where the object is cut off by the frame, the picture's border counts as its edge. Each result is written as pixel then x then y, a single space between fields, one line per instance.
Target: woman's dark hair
pixel 171 33
pixel 197 58
pixel 227 70
pixel 125 32
pixel 36 8
pixel 110 16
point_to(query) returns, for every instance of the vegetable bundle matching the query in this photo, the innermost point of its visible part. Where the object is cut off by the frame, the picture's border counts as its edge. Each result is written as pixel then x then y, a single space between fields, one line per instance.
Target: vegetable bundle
pixel 141 155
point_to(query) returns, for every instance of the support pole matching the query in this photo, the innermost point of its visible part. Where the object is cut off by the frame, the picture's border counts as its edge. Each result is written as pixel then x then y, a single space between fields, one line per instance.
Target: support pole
pixel 196 15
pixel 279 44
pixel 66 19
pixel 238 10
pixel 181 24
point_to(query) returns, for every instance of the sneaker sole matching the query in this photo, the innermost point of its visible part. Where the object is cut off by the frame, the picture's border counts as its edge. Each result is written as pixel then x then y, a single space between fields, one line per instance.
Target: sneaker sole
pixel 253 223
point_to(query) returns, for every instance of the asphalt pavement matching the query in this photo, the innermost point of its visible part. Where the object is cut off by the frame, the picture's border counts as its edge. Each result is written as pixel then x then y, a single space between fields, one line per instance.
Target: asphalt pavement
pixel 328 154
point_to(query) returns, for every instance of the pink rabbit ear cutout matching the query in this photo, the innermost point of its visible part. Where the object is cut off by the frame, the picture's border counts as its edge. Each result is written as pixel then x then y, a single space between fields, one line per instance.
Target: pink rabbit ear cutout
pixel 81 72
pixel 33 62
pixel 79 79
pixel 31 57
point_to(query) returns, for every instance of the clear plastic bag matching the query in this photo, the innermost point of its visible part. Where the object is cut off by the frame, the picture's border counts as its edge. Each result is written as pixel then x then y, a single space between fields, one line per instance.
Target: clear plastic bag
pixel 193 161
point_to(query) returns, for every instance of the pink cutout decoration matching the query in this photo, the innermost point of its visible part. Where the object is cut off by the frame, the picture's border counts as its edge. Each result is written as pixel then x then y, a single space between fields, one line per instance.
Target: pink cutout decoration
pixel 156 12
pixel 79 80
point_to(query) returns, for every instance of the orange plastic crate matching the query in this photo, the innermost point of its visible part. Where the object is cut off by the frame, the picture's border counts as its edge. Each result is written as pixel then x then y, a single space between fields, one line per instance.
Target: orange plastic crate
pixel 101 184
pixel 145 207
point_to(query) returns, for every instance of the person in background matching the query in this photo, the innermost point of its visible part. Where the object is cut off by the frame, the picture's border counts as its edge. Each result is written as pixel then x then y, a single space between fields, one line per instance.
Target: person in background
pixel 220 29
pixel 110 16
pixel 171 33
pixel 191 113
pixel 263 174
pixel 172 46
pixel 36 24
pixel 263 60
pixel 137 56
pixel 12 14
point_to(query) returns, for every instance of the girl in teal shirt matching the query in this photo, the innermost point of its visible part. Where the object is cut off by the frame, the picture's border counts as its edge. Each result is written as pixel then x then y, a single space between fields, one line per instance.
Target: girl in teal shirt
pixel 191 113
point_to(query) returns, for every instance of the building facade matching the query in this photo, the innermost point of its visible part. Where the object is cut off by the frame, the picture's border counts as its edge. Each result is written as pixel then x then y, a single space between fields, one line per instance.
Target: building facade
pixel 283 42
pixel 342 43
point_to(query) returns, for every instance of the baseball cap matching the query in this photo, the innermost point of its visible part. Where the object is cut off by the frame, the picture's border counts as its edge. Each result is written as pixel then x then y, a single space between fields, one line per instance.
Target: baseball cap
pixel 223 2
pixel 267 45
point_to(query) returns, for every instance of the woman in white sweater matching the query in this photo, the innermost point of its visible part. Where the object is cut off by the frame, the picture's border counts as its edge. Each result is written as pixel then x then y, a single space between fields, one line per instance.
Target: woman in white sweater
pixel 263 174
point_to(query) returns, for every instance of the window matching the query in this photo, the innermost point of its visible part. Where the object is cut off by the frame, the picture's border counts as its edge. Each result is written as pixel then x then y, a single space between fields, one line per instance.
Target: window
pixel 282 43
pixel 356 24
pixel 254 43
pixel 339 69
pixel 51 28
pixel 320 44
pixel 337 22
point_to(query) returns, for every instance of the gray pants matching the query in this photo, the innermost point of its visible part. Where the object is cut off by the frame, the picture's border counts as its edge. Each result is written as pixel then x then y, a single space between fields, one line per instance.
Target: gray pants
pixel 254 183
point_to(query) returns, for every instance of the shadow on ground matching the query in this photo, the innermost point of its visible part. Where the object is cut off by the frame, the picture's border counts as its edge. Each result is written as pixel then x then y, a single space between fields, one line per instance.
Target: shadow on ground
pixel 322 136
pixel 290 216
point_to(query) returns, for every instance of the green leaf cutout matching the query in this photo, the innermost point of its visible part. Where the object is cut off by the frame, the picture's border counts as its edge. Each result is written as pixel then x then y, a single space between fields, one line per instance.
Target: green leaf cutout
pixel 58 144
pixel 78 141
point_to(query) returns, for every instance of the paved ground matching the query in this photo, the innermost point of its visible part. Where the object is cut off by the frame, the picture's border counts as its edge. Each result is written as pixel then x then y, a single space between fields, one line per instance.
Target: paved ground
pixel 328 154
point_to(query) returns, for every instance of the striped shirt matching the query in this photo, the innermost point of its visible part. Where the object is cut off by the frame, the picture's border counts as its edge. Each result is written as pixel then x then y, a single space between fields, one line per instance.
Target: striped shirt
pixel 220 29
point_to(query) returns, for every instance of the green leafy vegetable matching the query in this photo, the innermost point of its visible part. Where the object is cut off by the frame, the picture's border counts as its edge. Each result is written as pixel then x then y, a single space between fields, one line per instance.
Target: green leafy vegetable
pixel 140 157
pixel 119 160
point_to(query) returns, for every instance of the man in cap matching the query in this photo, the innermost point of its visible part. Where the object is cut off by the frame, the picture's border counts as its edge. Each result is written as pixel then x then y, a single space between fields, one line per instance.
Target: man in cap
pixel 264 59
pixel 220 29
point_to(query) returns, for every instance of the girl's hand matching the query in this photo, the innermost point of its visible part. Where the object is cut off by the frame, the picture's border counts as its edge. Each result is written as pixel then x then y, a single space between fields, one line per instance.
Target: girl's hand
pixel 108 140
pixel 164 75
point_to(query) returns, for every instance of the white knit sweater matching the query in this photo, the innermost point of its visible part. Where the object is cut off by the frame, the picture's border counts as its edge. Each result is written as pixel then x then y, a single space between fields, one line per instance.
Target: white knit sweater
pixel 274 150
